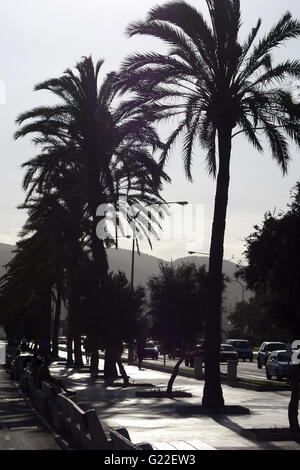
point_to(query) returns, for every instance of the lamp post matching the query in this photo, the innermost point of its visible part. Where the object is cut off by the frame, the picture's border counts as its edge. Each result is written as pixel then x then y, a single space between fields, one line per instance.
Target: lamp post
pixel 180 203
pixel 242 286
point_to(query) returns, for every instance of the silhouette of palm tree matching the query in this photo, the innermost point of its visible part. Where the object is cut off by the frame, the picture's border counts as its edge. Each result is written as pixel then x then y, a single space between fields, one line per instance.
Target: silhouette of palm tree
pixel 213 83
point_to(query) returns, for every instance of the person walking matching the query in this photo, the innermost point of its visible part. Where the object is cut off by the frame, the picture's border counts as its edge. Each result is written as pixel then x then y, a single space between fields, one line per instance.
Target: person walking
pixel 43 375
pixel 87 350
pixel 140 353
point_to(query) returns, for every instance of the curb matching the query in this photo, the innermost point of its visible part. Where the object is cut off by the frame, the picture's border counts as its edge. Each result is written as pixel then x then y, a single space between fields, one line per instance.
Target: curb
pixel 260 434
pixel 240 383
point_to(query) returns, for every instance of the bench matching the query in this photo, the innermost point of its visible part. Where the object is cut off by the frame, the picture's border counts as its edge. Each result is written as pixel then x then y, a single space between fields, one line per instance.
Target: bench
pixel 121 442
pixel 43 399
pixel 83 427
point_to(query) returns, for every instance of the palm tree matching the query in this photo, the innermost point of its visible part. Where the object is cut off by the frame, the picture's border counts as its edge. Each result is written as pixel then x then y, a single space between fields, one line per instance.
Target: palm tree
pixel 111 146
pixel 85 117
pixel 25 290
pixel 213 84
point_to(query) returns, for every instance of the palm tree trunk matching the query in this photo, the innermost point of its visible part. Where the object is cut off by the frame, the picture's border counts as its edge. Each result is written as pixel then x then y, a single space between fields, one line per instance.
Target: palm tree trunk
pixel 69 344
pixel 110 368
pixel 78 362
pixel 294 402
pixel 74 296
pixel 56 324
pixel 97 244
pixel 46 318
pixel 94 360
pixel 100 264
pixel 212 394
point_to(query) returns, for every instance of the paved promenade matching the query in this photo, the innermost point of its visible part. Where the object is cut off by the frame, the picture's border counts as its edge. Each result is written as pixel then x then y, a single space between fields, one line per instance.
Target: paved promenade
pixel 20 428
pixel 158 420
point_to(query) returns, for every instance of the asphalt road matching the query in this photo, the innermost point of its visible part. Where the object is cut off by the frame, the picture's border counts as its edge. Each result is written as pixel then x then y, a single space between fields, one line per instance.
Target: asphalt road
pixel 246 369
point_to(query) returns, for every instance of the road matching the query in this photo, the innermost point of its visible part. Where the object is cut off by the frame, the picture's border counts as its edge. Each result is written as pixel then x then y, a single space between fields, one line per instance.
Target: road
pixel 246 369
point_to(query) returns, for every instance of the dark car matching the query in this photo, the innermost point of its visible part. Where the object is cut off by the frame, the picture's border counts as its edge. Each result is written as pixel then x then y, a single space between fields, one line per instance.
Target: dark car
pixel 242 347
pixel 279 365
pixel 265 350
pixel 227 352
pixel 150 351
pixel 194 351
pixel 176 353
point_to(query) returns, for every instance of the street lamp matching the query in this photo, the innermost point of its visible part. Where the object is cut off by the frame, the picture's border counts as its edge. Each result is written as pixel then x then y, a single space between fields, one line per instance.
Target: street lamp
pixel 120 236
pixel 197 253
pixel 242 286
pixel 180 203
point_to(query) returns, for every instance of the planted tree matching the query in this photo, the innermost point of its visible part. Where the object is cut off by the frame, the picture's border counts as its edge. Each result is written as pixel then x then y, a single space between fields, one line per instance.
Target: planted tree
pixel 124 308
pixel 111 145
pixel 218 87
pixel 273 269
pixel 177 308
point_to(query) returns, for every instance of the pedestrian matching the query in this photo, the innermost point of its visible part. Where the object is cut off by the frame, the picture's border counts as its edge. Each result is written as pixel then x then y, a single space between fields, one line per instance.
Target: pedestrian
pixel 44 346
pixel 140 353
pixel 23 344
pixel 87 350
pixel 43 375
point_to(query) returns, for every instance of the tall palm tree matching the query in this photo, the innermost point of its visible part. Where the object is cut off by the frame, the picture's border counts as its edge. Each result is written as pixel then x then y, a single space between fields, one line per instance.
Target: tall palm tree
pixel 111 145
pixel 25 289
pixel 86 118
pixel 56 216
pixel 213 84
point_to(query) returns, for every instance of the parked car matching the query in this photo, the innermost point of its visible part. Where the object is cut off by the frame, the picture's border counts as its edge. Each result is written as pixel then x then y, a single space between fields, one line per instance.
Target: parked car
pixel 189 355
pixel 150 351
pixel 242 347
pixel 265 350
pixel 176 353
pixel 278 365
pixel 227 352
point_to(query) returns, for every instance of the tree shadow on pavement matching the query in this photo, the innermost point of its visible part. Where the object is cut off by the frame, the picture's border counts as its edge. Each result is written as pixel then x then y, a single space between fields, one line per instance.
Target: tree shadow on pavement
pixel 232 426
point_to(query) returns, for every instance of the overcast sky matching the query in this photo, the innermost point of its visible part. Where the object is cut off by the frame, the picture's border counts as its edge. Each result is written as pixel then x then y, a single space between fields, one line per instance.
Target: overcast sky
pixel 40 39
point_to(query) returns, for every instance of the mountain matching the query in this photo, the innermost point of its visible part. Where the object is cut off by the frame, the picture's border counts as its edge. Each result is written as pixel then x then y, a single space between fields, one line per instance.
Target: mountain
pixel 146 266
pixel 5 256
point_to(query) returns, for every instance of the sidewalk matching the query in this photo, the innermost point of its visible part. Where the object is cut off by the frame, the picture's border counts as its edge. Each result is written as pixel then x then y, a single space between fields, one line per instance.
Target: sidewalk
pixel 158 420
pixel 20 428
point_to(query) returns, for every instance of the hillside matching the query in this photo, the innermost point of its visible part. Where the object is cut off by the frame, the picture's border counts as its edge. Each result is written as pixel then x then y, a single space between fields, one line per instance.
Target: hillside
pixel 5 255
pixel 147 266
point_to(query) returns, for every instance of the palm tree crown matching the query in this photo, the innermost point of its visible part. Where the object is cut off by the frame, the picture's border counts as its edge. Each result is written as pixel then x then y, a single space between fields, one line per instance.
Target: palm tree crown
pixel 211 81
